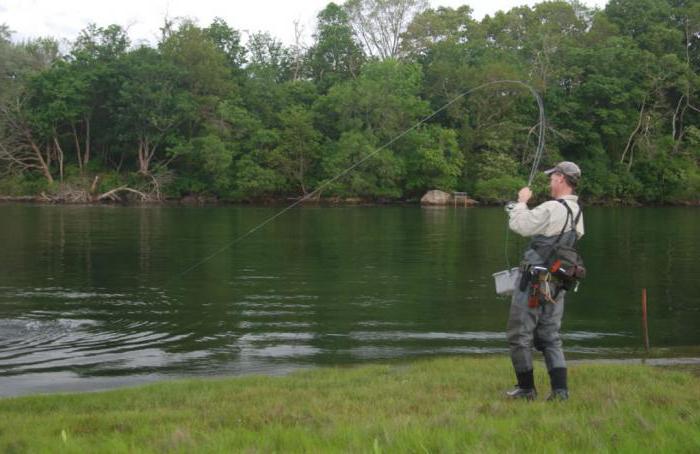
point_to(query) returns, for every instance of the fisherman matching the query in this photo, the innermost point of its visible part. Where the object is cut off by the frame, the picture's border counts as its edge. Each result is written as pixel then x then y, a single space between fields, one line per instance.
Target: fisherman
pixel 537 305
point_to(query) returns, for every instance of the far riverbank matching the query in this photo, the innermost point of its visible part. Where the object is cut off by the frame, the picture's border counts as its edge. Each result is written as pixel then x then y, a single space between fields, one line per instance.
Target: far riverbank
pixel 330 201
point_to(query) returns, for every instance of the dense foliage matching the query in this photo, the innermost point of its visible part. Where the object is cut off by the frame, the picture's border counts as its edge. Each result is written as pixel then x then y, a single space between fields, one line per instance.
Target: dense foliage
pixel 203 113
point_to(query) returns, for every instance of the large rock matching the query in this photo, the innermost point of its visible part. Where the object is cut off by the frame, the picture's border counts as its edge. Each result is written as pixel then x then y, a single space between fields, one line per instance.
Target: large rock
pixel 436 197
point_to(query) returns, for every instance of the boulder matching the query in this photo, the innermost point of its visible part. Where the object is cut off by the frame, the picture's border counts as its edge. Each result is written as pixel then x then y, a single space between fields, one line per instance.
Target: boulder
pixel 436 197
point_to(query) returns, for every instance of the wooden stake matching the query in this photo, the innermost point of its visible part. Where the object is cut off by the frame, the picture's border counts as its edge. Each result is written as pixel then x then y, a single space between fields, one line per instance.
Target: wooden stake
pixel 645 328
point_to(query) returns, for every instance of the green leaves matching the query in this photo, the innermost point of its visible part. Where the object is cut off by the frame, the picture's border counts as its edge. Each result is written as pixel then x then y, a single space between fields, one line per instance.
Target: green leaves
pixel 260 119
pixel 433 160
pixel 336 55
pixel 379 175
pixel 296 157
pixel 383 100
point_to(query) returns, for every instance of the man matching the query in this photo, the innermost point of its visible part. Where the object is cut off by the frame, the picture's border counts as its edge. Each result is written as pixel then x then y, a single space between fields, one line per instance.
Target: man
pixel 537 305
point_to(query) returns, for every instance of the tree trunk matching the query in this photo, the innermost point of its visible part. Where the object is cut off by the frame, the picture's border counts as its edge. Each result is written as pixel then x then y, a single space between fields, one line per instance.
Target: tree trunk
pixel 121 162
pixel 301 173
pixel 93 187
pixel 678 127
pixel 143 163
pixel 86 158
pixel 679 117
pixel 634 133
pixel 59 156
pixel 146 153
pixel 25 151
pixel 77 148
pixel 43 163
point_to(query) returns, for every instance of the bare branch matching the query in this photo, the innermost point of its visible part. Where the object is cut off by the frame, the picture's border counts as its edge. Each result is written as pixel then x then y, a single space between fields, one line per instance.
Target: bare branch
pixel 111 193
pixel 634 133
pixel 380 23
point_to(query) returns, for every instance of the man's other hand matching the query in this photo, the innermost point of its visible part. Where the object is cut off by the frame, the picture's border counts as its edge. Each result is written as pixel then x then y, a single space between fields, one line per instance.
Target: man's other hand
pixel 524 195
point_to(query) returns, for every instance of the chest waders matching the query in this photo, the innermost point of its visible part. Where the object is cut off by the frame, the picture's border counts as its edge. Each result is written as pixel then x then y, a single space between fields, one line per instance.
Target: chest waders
pixel 533 324
pixel 552 262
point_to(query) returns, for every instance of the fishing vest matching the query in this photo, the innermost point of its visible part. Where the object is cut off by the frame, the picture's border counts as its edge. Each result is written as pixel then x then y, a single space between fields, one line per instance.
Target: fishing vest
pixel 539 250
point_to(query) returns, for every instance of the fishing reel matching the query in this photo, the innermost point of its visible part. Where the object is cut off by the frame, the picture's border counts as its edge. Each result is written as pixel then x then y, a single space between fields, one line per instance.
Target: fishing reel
pixel 509 206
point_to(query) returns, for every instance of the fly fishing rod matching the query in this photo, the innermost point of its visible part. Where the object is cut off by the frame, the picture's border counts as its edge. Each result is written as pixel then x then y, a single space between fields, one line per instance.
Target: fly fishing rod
pixel 326 183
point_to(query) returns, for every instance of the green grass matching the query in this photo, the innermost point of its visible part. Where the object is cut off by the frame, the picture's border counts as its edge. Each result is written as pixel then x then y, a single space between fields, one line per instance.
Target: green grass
pixel 441 405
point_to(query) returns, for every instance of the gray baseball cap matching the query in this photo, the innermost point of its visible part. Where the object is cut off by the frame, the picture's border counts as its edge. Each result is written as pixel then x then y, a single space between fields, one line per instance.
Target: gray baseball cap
pixel 567 168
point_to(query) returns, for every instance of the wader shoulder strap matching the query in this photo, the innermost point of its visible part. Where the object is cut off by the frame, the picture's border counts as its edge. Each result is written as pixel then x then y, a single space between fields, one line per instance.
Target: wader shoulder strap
pixel 574 220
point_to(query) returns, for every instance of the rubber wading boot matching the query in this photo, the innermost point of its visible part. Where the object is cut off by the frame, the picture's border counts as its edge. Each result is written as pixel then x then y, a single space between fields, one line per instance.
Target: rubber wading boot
pixel 557 377
pixel 520 393
pixel 558 394
pixel 525 389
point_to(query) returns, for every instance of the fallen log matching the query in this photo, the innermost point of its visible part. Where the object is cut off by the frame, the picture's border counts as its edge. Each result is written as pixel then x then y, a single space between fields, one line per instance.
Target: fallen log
pixel 112 194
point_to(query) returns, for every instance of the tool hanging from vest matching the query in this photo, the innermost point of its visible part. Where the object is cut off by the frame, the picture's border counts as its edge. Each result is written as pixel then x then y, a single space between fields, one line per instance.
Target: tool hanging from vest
pixel 539 286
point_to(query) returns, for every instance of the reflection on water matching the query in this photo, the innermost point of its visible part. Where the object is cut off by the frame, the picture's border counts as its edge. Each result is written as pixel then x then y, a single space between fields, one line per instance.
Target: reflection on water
pixel 87 299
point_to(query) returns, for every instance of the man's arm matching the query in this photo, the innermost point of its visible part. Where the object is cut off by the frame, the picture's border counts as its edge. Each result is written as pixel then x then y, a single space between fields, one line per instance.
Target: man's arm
pixel 524 221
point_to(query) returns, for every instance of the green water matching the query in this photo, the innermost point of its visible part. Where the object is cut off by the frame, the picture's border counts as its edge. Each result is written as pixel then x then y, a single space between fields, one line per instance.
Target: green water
pixel 92 297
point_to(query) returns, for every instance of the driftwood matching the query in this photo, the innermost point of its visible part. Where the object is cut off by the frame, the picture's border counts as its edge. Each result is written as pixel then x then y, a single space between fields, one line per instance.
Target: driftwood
pixel 73 195
pixel 66 195
pixel 112 194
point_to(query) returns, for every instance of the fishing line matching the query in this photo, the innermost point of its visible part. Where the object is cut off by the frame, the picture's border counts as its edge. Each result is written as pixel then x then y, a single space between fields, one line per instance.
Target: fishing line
pixel 539 152
pixel 540 139
pixel 536 160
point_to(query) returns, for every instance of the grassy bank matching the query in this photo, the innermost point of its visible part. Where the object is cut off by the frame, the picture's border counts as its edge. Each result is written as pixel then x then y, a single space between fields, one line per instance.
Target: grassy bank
pixel 443 405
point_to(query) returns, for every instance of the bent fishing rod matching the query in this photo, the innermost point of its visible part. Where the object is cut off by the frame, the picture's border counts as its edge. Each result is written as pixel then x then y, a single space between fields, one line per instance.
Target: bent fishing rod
pixel 535 164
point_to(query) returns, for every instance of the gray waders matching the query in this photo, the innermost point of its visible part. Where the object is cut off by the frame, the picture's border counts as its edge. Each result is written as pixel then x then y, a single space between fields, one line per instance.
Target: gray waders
pixel 538 326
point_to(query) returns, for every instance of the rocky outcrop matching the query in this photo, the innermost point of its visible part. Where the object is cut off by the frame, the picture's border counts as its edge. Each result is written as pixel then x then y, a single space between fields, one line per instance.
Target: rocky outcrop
pixel 437 197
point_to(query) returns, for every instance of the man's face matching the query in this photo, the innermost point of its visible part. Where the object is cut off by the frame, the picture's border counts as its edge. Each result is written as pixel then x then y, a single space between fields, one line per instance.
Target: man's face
pixel 556 181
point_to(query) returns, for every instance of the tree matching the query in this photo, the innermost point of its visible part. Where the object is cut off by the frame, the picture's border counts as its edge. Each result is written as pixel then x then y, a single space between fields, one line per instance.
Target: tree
pixel 152 104
pixel 434 26
pixel 368 113
pixel 620 87
pixel 228 41
pixel 379 176
pixel 57 98
pixel 21 150
pixel 335 55
pixel 434 160
pixel 299 147
pixel 269 59
pixel 379 23
pixel 252 147
pixel 207 160
pixel 205 65
pixel 383 100
pixel 94 72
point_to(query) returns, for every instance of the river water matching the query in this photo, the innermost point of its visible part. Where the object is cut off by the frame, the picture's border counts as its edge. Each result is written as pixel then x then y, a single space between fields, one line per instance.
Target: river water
pixel 92 297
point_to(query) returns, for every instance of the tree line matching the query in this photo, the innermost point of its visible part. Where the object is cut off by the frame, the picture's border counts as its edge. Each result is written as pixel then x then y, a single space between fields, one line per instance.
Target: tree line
pixel 203 113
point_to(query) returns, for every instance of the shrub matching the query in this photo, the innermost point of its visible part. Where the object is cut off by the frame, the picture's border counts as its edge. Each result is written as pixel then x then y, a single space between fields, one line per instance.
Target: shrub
pixel 498 190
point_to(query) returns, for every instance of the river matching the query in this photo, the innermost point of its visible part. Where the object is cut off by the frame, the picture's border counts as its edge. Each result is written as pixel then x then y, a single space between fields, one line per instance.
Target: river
pixel 94 297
